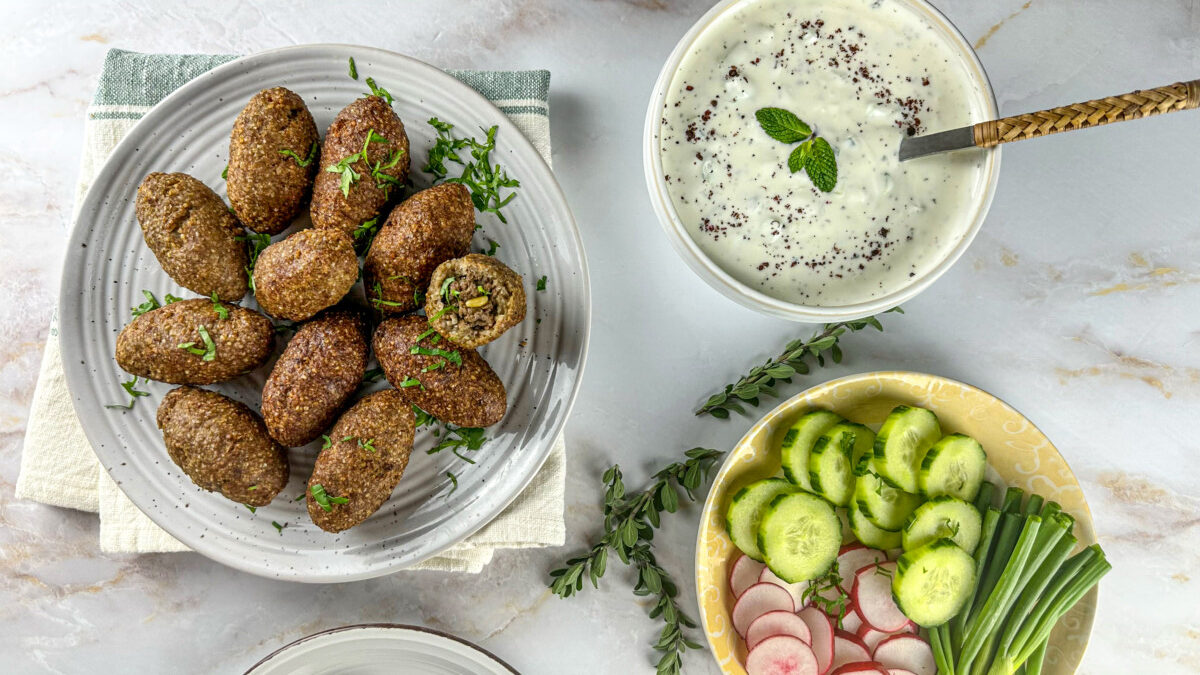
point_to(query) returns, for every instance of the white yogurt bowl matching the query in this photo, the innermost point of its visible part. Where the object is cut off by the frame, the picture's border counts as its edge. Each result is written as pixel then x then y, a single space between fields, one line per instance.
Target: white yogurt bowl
pixel 982 104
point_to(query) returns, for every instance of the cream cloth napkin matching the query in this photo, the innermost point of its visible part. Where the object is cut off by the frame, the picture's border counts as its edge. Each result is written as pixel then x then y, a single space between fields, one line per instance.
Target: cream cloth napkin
pixel 58 466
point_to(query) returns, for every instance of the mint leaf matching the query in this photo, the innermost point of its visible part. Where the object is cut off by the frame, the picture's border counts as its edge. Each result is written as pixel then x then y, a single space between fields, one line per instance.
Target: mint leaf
pixel 798 157
pixel 782 125
pixel 821 165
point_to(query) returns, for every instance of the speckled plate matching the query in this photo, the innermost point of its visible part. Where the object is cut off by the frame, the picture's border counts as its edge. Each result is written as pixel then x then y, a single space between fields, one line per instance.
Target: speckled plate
pixel 1018 455
pixel 381 649
pixel 540 361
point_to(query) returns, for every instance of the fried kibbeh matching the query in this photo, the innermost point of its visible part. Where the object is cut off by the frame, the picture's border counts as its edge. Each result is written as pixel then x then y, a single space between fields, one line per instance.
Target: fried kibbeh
pixel 318 372
pixel 350 189
pixel 427 229
pixel 472 300
pixel 188 342
pixel 368 452
pixel 305 273
pixel 454 384
pixel 192 235
pixel 222 445
pixel 272 160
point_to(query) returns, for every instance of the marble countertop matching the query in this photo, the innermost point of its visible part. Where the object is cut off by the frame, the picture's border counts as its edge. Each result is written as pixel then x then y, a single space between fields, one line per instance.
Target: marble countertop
pixel 1077 304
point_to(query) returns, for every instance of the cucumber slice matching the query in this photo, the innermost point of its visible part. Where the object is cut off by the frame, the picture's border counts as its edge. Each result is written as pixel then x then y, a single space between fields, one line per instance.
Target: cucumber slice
pixel 799 440
pixel 905 437
pixel 746 510
pixel 800 536
pixel 953 466
pixel 943 518
pixel 866 532
pixel 830 462
pixel 885 506
pixel 932 583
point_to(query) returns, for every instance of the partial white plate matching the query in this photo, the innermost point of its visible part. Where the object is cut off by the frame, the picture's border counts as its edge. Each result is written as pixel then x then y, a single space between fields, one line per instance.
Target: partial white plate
pixel 381 649
pixel 540 361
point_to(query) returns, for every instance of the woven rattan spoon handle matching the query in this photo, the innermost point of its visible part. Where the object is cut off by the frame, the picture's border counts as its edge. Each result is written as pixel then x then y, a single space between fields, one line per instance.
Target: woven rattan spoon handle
pixel 1131 106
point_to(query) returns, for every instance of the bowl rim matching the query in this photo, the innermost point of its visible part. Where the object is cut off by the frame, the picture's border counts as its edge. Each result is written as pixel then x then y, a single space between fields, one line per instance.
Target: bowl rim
pixel 721 280
pixel 1085 518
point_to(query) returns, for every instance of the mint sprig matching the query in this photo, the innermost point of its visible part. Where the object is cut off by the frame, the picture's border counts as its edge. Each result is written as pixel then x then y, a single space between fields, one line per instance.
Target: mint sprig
pixel 814 155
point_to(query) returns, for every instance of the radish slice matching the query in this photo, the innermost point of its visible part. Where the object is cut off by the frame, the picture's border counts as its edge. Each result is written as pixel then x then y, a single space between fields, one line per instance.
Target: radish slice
pixel 873 597
pixel 861 668
pixel 782 655
pixel 797 589
pixel 778 622
pixel 908 652
pixel 871 637
pixel 847 648
pixel 744 574
pixel 756 601
pixel 852 559
pixel 821 630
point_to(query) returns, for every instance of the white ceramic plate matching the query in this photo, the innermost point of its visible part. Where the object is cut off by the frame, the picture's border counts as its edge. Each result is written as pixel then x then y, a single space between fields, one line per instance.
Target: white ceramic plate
pixel 381 649
pixel 540 361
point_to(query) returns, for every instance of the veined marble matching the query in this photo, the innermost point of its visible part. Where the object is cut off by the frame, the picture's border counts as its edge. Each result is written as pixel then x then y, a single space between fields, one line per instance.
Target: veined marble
pixel 1077 304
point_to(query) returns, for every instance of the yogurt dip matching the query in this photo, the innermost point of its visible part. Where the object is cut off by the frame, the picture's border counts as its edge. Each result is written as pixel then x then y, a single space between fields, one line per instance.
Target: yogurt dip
pixel 863 74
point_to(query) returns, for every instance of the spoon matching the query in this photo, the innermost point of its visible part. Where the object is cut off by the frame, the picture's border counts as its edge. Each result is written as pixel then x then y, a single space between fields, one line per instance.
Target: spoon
pixel 1131 106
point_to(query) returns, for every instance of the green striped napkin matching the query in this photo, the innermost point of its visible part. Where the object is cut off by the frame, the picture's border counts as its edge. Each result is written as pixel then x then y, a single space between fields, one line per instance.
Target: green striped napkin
pixel 57 464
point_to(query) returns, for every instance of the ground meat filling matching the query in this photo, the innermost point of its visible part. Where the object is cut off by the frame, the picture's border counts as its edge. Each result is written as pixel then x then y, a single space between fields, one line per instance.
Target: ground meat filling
pixel 477 302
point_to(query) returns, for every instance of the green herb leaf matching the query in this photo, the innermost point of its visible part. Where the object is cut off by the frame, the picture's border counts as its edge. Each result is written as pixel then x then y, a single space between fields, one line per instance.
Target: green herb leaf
pixel 782 125
pixel 492 246
pixel 130 388
pixel 255 245
pixel 323 499
pixel 150 304
pixel 378 300
pixel 372 376
pixel 279 527
pixel 221 310
pixel 821 165
pixel 367 445
pixel 453 481
pixel 327 442
pixel 798 157
pixel 760 379
pixel 302 161
pixel 353 69
pixel 379 91
pixel 445 290
pixel 252 509
pixel 484 180
pixel 225 173
pixel 541 283
pixel 410 382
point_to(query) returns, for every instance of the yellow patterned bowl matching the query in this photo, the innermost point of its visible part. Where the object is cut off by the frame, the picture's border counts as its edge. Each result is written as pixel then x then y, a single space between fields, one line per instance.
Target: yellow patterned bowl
pixel 1018 453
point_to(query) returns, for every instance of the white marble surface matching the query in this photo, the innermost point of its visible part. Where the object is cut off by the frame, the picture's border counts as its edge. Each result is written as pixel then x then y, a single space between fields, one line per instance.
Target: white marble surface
pixel 1077 304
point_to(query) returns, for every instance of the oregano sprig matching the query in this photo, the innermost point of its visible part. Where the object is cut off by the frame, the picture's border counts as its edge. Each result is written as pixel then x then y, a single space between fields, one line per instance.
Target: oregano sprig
pixel 629 524
pixel 814 155
pixel 761 380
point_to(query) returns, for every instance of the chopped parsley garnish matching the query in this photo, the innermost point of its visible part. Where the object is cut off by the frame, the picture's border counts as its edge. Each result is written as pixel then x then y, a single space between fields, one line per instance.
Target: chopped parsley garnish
pixel 426 334
pixel 285 327
pixel 480 176
pixel 252 509
pixel 379 91
pixel 378 300
pixel 423 418
pixel 440 312
pixel 279 527
pixel 134 394
pixel 349 175
pixel 150 304
pixel 453 482
pixel 459 438
pixel 368 445
pixel 452 356
pixel 492 246
pixel 210 348
pixel 347 438
pixel 324 500
pixel 302 161
pixel 481 290
pixel 255 244
pixel 221 310
pixel 225 173
pixel 541 283
pixel 445 290
pixel 411 382
pixel 373 375
pixel 364 234
pixel 252 488
pixel 353 69
pixel 327 442
pixel 168 299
